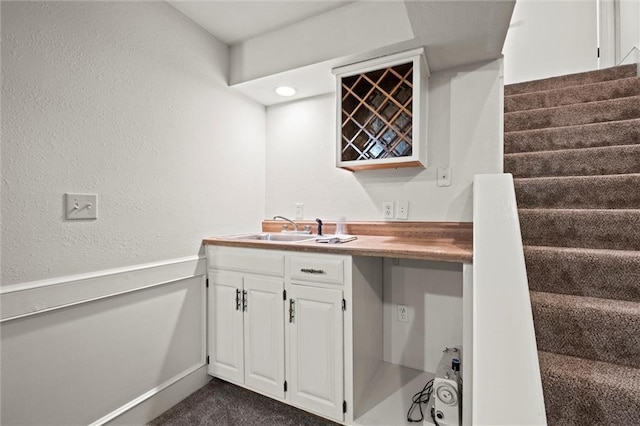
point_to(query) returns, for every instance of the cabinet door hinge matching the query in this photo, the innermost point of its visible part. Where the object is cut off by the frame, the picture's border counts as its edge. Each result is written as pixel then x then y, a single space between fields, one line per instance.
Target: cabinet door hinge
pixel 344 305
pixel 284 294
pixel 285 385
pixel 207 282
pixel 207 359
pixel 344 406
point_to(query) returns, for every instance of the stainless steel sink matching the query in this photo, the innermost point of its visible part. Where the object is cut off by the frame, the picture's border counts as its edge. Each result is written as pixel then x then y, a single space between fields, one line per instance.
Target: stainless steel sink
pixel 266 236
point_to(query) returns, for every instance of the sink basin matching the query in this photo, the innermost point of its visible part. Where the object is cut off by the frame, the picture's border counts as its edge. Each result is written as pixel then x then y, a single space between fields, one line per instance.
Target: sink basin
pixel 274 237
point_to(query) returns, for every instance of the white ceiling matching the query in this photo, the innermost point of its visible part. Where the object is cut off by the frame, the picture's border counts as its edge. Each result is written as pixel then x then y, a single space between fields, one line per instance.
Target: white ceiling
pixel 239 20
pixel 298 42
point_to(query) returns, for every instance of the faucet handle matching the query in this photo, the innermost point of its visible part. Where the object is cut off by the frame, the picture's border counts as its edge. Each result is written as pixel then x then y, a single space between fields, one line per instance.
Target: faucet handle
pixel 285 227
pixel 319 226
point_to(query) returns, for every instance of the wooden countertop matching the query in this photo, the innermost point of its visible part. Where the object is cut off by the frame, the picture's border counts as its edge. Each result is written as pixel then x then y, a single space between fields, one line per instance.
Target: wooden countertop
pixel 444 241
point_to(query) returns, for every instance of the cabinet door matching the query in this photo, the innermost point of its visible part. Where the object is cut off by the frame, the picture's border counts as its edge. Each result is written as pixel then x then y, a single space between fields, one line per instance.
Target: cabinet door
pixel 264 335
pixel 317 381
pixel 225 327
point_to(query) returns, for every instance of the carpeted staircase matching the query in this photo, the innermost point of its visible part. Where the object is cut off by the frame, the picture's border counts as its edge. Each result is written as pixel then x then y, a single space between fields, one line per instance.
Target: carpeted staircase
pixel 572 144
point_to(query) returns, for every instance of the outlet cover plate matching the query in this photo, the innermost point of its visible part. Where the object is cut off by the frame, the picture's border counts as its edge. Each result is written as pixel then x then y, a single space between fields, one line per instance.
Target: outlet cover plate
pixel 387 209
pixel 299 211
pixel 402 212
pixel 81 206
pixel 403 313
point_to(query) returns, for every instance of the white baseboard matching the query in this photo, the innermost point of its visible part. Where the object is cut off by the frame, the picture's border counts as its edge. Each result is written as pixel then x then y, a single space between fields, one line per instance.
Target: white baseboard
pixel 149 406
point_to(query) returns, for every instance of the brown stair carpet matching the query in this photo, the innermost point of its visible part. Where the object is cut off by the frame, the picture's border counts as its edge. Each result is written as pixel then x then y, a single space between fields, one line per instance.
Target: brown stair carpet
pixel 587 228
pixel 572 80
pixel 579 192
pixel 573 95
pixel 580 391
pixel 571 115
pixel 626 132
pixel 572 144
pixel 612 274
pixel 606 160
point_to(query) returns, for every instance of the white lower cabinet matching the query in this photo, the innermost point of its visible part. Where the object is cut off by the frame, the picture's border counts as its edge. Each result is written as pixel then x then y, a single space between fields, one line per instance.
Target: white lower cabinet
pixel 316 349
pixel 246 330
pixel 277 324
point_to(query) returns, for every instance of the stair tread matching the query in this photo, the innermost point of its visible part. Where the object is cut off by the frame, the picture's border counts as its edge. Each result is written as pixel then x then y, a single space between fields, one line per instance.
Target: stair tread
pixel 589 327
pixel 570 151
pixel 593 178
pixel 579 391
pixel 589 228
pixel 603 273
pixel 609 160
pixel 617 212
pixel 596 91
pixel 585 302
pixel 572 80
pixel 598 372
pixel 577 114
pixel 590 251
pixel 575 104
pixel 579 192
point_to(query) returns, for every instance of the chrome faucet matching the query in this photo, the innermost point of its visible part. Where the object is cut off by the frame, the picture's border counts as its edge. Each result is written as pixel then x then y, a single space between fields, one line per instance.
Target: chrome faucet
pixel 285 228
pixel 295 225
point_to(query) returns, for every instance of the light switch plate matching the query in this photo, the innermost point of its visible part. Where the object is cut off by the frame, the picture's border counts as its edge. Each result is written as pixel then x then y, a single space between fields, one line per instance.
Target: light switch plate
pixel 81 206
pixel 299 210
pixel 444 176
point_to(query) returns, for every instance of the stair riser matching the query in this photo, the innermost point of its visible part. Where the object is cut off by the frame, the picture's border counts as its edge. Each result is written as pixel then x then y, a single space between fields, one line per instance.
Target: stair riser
pixel 572 80
pixel 617 229
pixel 589 332
pixel 598 192
pixel 590 136
pixel 573 115
pixel 609 275
pixel 573 95
pixel 623 159
pixel 580 403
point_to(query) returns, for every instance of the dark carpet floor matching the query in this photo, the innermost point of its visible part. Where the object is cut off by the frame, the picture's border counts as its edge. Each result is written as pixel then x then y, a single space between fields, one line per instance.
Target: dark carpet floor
pixel 222 403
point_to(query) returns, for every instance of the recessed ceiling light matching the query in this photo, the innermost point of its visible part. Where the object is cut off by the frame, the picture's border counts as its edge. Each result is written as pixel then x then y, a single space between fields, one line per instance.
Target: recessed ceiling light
pixel 285 91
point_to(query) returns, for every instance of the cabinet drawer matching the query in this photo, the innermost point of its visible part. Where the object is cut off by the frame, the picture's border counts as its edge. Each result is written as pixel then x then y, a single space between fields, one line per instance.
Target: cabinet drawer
pixel 319 269
pixel 264 262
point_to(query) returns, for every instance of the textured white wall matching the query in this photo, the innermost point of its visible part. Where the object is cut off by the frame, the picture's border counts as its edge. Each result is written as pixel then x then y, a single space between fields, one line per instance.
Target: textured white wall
pixel 127 100
pixel 548 38
pixel 464 133
pixel 629 11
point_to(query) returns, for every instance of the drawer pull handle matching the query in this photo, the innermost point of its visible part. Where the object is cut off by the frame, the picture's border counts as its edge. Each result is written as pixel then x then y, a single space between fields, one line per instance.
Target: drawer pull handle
pixel 312 271
pixel 245 300
pixel 237 299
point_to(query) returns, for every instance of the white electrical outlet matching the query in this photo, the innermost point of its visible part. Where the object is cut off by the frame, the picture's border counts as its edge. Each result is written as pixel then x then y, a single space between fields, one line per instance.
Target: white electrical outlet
pixel 403 313
pixel 81 206
pixel 402 212
pixel 299 211
pixel 444 176
pixel 387 209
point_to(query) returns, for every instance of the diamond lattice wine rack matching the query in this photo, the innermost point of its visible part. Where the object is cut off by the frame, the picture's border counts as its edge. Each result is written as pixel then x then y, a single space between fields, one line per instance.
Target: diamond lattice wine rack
pixel 381 105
